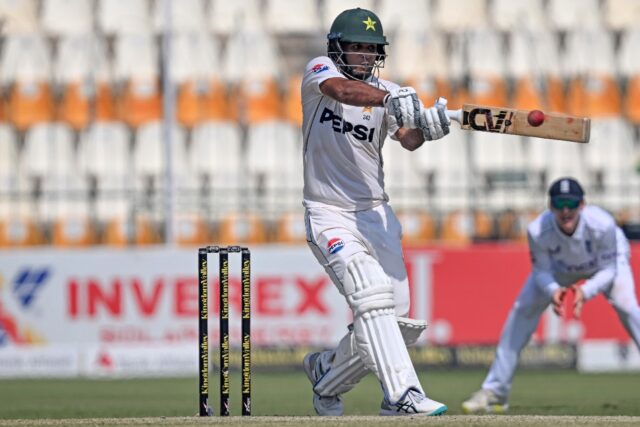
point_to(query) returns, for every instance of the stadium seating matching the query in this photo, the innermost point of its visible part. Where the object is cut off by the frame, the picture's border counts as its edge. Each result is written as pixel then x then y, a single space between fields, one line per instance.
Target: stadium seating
pixel 629 67
pixel 185 16
pixel 290 228
pixel 274 169
pixel 217 164
pixel 228 17
pixel 331 9
pixel 462 227
pixel 405 184
pixel 460 15
pixel 293 100
pixel 418 226
pixel 82 74
pixel 19 17
pixel 566 15
pixel 621 14
pixel 200 91
pixel 507 15
pixel 406 15
pixel 447 166
pixel 116 17
pixel 284 17
pixel 242 228
pixel 17 225
pixel 81 142
pixel 26 71
pixel 64 17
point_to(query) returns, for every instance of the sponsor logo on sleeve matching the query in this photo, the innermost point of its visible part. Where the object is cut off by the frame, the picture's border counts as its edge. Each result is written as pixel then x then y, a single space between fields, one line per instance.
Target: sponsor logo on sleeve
pixel 335 245
pixel 319 68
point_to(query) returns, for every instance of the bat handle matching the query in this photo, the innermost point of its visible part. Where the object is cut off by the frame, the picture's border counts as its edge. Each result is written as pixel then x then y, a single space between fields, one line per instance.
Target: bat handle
pixel 455 115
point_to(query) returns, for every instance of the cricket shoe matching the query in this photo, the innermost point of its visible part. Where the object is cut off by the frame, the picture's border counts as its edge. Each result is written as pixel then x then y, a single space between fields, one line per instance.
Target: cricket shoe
pixel 324 406
pixel 414 402
pixel 485 401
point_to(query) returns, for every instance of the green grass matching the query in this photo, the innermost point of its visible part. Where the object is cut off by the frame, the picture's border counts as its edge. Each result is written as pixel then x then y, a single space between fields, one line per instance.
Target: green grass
pixel 289 394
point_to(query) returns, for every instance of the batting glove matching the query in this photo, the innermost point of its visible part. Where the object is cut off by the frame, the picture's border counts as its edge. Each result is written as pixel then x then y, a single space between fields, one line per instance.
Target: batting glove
pixel 434 121
pixel 403 103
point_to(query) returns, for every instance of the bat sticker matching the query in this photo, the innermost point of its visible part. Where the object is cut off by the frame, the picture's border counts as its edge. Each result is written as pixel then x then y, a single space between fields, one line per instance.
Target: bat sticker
pixel 501 124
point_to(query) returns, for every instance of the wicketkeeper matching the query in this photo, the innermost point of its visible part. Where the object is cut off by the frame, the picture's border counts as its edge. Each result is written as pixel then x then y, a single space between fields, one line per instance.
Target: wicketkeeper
pixel 347 113
pixel 568 243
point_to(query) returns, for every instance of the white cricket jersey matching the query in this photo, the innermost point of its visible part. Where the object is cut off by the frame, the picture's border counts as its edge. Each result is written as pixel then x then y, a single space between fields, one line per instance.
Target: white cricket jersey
pixel 590 253
pixel 342 144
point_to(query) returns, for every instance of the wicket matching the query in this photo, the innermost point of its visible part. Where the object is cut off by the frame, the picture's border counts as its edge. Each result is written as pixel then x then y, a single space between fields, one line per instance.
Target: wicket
pixel 203 298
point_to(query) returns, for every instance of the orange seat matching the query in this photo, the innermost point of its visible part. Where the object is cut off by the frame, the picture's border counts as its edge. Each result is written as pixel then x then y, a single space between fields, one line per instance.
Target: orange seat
pixel 242 228
pixel 73 232
pixel 632 100
pixel 291 228
pixel 528 95
pixel 462 227
pixel 78 108
pixel 257 101
pixel 556 97
pixel 487 91
pixel 118 232
pixel 512 225
pixel 429 90
pixel 594 96
pixel 140 102
pixel 30 103
pixel 198 102
pixel 293 100
pixel 417 226
pixel 191 230
pixel 3 111
pixel 20 232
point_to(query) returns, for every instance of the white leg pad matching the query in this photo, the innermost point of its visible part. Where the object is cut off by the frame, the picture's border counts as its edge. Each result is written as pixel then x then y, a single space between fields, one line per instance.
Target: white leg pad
pixel 343 366
pixel 378 338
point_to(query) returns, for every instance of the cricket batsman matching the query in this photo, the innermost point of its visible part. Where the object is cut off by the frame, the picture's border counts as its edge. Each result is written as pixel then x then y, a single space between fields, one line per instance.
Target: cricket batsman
pixel 348 111
pixel 569 242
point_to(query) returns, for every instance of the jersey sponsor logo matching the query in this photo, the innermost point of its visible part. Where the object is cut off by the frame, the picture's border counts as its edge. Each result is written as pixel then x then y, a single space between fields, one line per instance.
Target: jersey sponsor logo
pixel 319 68
pixel 339 125
pixel 335 245
pixel 577 268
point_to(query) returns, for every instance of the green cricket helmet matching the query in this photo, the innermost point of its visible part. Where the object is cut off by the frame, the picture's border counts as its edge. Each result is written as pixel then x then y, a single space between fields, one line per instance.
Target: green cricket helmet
pixel 356 26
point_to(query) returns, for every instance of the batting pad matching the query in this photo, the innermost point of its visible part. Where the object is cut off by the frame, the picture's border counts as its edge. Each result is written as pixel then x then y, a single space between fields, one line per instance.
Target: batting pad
pixel 344 368
pixel 378 339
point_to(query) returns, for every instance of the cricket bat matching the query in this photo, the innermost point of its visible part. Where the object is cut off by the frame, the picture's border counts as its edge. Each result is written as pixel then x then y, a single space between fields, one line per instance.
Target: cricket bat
pixel 522 122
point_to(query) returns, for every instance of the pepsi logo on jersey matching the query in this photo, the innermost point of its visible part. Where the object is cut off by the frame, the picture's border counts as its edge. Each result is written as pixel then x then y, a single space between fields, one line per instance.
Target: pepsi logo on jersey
pixel 339 125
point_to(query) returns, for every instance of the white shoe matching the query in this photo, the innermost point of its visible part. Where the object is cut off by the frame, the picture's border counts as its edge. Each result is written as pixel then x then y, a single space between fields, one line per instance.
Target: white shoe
pixel 324 406
pixel 413 402
pixel 485 401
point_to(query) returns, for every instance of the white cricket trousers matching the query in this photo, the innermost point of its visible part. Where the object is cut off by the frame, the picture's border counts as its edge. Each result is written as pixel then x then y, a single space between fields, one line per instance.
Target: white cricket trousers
pixel 336 236
pixel 529 306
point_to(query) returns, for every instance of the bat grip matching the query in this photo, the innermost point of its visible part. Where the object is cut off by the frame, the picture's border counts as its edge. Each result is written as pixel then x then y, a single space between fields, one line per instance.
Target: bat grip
pixel 455 115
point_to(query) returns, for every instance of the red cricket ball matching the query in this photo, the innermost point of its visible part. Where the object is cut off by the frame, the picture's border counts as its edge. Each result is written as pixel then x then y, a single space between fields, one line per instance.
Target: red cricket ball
pixel 535 117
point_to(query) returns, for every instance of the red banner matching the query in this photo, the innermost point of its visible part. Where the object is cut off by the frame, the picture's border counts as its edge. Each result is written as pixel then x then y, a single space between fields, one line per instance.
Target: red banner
pixel 473 289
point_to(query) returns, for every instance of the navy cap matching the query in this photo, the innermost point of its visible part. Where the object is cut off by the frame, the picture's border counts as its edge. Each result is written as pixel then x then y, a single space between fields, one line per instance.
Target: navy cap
pixel 566 188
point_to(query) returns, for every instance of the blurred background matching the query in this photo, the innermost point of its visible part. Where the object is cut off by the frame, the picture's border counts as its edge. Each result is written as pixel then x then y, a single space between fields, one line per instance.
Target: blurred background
pixel 98 94
pixel 133 131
